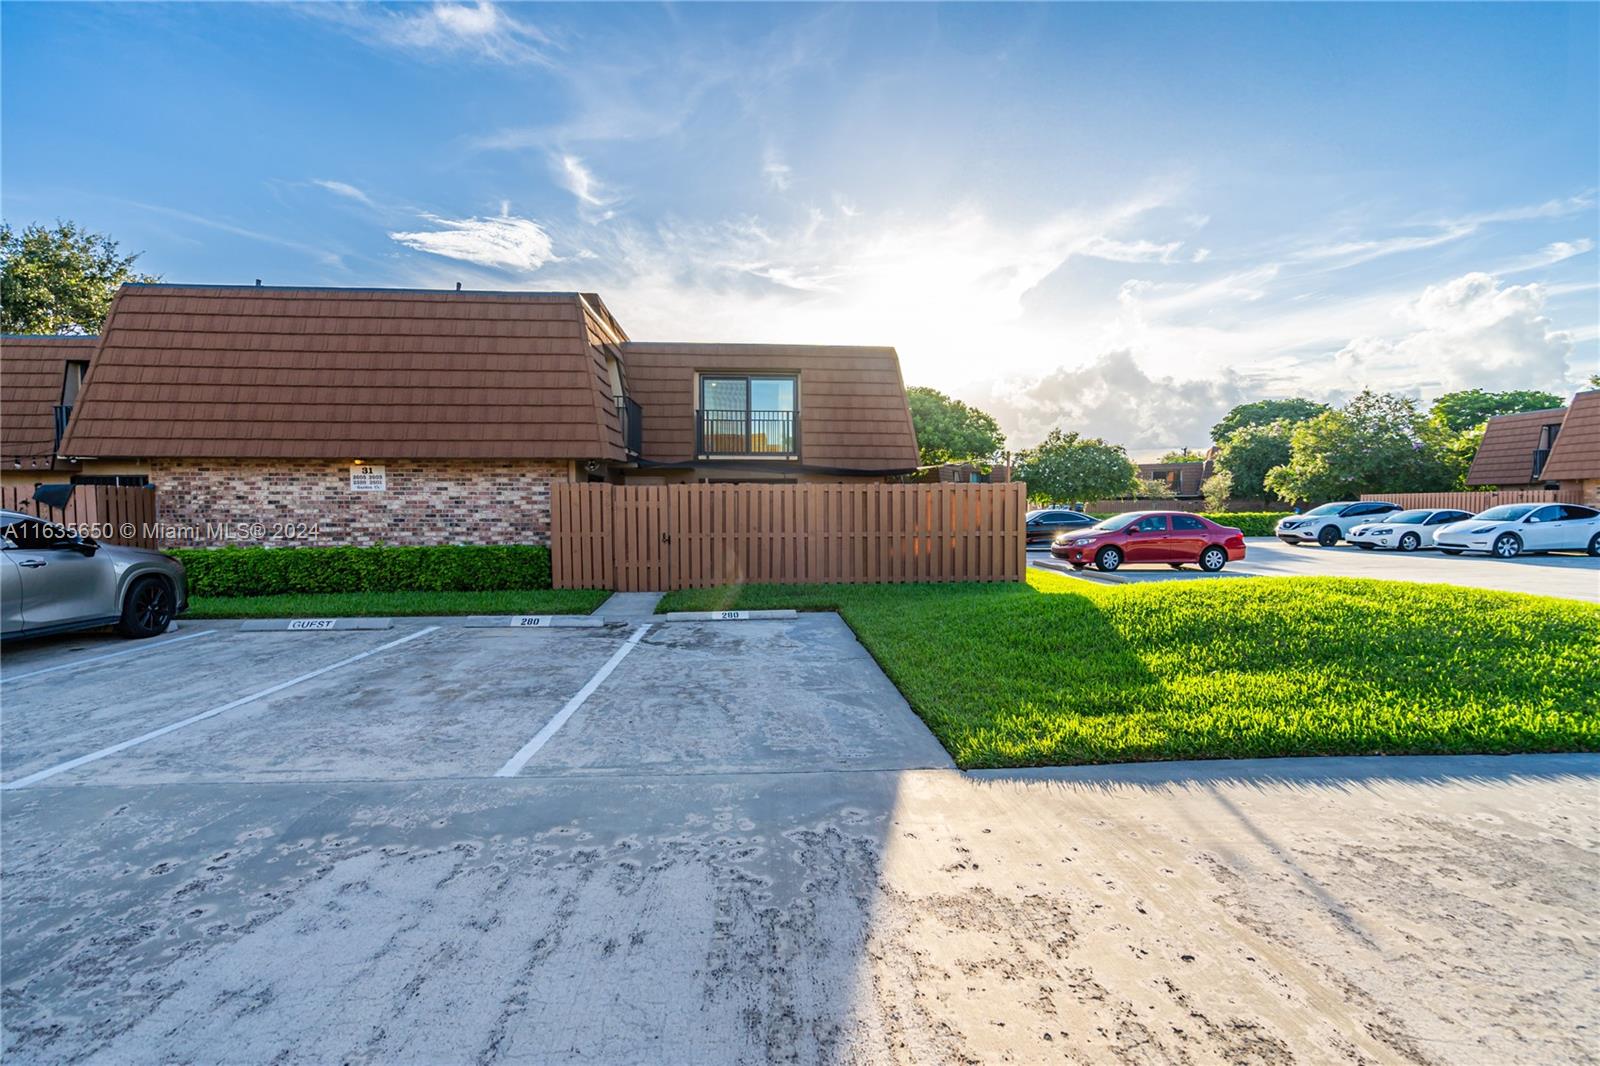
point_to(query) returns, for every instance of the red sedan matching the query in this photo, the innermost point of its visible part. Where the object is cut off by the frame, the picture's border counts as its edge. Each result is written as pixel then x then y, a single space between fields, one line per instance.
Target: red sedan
pixel 1171 537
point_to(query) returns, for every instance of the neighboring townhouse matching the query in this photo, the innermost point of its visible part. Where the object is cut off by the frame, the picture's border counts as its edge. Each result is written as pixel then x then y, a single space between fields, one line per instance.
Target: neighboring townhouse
pixel 39 380
pixel 1184 479
pixel 410 416
pixel 1557 448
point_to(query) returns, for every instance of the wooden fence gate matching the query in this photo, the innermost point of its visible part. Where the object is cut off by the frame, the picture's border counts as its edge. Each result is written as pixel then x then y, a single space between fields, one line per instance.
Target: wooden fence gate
pixel 116 514
pixel 634 538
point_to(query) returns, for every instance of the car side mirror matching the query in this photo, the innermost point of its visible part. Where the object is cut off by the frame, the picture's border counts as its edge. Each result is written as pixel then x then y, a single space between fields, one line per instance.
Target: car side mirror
pixel 87 546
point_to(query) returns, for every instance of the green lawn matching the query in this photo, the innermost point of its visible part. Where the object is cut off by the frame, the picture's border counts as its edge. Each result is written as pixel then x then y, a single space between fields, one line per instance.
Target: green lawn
pixel 1058 671
pixel 383 604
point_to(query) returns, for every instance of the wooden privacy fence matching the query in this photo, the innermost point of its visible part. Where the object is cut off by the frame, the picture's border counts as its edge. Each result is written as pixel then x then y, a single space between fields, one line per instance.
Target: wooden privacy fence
pixel 660 537
pixel 116 514
pixel 1477 501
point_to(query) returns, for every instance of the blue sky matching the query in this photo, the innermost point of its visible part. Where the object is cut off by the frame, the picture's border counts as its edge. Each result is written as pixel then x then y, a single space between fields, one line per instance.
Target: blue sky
pixel 1121 219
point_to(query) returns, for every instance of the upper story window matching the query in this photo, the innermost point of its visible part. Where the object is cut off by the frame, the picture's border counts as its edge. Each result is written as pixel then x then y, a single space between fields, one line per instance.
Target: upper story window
pixel 73 381
pixel 748 414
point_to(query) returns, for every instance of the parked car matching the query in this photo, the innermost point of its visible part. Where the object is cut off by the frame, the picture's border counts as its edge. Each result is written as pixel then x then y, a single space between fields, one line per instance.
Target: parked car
pixel 1044 524
pixel 1171 537
pixel 1513 528
pixel 52 581
pixel 1331 522
pixel 1405 530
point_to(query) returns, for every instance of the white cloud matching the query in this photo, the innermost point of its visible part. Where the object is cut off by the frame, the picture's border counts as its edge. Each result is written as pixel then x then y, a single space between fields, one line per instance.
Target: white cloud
pixel 594 199
pixel 1115 398
pixel 344 189
pixel 777 173
pixel 1549 255
pixel 1466 332
pixel 480 30
pixel 1137 251
pixel 504 243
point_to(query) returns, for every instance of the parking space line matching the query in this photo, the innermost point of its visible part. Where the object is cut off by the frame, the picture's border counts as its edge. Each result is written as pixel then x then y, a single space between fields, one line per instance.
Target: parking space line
pixel 72 764
pixel 515 764
pixel 74 664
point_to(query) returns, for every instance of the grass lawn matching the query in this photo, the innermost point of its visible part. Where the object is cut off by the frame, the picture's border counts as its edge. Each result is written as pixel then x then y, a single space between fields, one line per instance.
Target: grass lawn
pixel 382 604
pixel 1059 671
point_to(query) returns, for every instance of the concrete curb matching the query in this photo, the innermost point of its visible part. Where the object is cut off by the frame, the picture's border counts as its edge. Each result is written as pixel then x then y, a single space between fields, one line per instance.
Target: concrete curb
pixel 312 625
pixel 538 621
pixel 1086 574
pixel 725 616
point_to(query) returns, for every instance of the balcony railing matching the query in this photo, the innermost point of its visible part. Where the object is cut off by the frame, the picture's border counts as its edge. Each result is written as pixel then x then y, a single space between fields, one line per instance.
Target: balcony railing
pixel 1540 455
pixel 63 413
pixel 774 433
pixel 632 419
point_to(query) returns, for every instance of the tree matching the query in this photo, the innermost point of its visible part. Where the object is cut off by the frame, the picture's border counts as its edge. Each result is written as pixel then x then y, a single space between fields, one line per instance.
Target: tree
pixel 59 280
pixel 1068 467
pixel 1261 412
pixel 951 431
pixel 1249 452
pixel 1184 455
pixel 1217 489
pixel 1594 381
pixel 1457 411
pixel 1153 488
pixel 1375 443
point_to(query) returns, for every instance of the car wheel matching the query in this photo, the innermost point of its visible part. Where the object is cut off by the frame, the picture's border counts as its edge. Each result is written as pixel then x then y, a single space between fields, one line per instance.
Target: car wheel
pixel 1364 546
pixel 1329 536
pixel 1410 542
pixel 1594 544
pixel 1452 551
pixel 1508 546
pixel 147 608
pixel 1108 559
pixel 1213 559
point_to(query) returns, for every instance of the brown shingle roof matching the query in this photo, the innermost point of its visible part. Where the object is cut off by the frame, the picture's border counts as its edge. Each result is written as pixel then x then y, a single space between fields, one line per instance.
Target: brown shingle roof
pixel 253 372
pixel 1183 478
pixel 853 410
pixel 1505 457
pixel 1576 454
pixel 31 373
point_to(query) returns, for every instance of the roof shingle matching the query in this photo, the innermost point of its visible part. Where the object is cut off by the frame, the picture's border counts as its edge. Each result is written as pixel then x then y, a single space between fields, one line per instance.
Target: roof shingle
pixel 32 370
pixel 1505 457
pixel 1576 454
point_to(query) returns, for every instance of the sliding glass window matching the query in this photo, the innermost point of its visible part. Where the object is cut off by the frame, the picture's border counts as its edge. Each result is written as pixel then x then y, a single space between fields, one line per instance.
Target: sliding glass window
pixel 747 415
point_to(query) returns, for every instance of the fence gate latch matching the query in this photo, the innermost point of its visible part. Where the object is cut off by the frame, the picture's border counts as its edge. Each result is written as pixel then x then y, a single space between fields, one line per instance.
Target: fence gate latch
pixel 666 538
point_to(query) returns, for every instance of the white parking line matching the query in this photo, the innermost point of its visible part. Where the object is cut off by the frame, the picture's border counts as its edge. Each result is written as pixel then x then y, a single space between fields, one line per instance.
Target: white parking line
pixel 515 764
pixel 93 756
pixel 74 664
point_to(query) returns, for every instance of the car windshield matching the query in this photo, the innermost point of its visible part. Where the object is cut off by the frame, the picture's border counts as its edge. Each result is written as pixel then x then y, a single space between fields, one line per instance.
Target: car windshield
pixel 1327 508
pixel 1505 513
pixel 1400 518
pixel 1115 522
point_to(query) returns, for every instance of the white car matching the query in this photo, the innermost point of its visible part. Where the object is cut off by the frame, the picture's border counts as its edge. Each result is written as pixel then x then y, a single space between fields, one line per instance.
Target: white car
pixel 1405 530
pixel 1331 522
pixel 1513 528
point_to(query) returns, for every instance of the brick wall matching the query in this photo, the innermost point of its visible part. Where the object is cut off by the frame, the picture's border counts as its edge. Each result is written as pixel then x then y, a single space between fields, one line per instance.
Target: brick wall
pixel 310 502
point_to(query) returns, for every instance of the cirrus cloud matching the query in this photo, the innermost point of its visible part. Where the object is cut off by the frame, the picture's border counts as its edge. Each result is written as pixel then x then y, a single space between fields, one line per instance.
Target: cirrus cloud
pixel 503 243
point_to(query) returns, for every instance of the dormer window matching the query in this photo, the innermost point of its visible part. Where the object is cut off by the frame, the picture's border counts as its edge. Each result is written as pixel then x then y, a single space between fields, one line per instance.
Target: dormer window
pixel 73 381
pixel 748 414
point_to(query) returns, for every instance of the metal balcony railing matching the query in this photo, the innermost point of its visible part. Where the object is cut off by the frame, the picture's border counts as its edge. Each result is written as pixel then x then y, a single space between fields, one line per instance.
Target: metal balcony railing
pixel 774 433
pixel 632 419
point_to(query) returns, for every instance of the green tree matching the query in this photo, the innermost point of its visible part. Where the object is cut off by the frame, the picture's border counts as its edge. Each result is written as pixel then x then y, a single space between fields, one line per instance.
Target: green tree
pixel 1183 455
pixel 1218 490
pixel 1594 381
pixel 1249 452
pixel 1066 466
pixel 1457 411
pixel 1375 443
pixel 1153 488
pixel 1261 412
pixel 59 280
pixel 951 431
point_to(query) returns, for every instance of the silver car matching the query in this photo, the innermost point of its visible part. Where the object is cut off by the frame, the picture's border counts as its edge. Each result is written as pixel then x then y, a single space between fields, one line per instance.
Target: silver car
pixel 52 581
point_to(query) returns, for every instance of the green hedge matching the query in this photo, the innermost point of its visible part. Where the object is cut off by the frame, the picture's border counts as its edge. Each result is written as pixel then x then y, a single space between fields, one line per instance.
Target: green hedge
pixel 1250 523
pixel 274 571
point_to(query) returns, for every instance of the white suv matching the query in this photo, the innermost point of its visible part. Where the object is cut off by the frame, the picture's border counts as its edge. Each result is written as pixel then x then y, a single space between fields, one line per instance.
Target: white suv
pixel 1331 522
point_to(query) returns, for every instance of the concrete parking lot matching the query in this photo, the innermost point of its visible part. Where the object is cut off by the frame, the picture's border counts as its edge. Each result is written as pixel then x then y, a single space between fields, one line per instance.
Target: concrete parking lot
pixel 741 846
pixel 1568 574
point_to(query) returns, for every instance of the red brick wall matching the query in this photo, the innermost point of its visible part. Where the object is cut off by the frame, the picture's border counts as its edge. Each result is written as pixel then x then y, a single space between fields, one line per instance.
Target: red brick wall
pixel 288 502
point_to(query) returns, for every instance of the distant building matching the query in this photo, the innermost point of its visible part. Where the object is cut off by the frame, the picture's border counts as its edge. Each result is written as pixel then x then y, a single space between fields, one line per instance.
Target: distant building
pixel 1184 479
pixel 1557 448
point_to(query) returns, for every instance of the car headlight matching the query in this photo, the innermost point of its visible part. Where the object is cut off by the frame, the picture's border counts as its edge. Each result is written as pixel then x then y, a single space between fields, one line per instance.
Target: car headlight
pixel 1379 532
pixel 1482 529
pixel 1081 541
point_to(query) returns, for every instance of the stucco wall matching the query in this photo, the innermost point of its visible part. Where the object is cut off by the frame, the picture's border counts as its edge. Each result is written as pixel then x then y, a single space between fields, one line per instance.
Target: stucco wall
pixel 310 502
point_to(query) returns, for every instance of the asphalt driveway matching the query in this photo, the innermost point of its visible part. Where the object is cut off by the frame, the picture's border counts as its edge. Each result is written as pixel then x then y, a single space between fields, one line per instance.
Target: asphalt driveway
pixel 1570 575
pixel 739 845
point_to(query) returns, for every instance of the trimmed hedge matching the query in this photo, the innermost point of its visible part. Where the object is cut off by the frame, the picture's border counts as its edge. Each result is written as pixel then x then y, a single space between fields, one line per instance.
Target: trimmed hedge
pixel 447 568
pixel 1250 523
